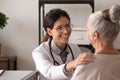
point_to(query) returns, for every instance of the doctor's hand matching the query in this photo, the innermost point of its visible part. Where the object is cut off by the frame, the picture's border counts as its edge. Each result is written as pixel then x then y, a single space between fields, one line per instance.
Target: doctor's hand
pixel 83 58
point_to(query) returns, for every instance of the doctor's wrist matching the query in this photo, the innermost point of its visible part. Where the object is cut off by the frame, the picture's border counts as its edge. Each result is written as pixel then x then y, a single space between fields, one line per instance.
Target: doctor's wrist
pixel 69 67
pixel 67 73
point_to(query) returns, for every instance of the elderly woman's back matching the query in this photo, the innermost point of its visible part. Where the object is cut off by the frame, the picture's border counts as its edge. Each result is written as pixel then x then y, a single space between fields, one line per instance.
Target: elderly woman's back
pixel 104 67
pixel 102 29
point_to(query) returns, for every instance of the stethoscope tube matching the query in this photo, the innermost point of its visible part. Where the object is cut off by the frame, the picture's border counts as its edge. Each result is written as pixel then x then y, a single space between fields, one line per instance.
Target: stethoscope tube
pixel 55 62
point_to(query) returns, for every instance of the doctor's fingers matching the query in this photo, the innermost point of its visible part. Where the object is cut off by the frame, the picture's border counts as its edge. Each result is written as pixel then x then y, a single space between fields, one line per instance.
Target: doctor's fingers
pixel 86 59
pixel 83 60
pixel 87 55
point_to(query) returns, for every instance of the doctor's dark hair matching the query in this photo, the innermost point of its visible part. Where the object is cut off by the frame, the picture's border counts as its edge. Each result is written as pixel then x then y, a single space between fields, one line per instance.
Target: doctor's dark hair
pixel 52 16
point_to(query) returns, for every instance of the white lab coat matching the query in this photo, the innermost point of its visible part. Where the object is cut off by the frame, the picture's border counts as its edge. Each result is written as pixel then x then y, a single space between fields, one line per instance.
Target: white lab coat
pixel 44 61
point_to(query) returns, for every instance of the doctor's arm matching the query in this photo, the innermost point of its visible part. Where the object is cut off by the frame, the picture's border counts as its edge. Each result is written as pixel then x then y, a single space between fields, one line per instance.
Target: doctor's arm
pixel 83 58
pixel 47 68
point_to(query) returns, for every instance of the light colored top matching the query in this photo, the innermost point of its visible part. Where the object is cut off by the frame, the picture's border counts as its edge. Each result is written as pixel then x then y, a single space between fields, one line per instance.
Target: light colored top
pixel 104 67
pixel 44 61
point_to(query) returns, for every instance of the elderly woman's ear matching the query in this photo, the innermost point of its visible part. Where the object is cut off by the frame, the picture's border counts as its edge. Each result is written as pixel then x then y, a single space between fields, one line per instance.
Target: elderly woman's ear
pixel 96 35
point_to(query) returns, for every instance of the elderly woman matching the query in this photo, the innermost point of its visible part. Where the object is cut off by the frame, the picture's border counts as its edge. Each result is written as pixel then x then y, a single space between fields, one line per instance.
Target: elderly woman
pixel 102 29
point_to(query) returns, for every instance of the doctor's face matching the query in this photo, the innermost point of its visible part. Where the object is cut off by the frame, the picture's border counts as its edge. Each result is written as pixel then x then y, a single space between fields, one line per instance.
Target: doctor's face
pixel 61 31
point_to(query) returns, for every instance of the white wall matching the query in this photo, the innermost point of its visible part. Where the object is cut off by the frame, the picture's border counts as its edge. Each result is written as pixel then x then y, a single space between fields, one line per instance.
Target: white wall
pixel 20 36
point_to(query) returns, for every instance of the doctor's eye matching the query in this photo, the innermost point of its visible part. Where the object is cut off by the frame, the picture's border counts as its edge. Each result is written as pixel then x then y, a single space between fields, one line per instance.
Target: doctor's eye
pixel 61 28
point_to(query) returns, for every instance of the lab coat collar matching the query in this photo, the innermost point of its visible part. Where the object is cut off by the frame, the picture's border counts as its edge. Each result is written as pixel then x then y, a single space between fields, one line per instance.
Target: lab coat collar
pixel 56 49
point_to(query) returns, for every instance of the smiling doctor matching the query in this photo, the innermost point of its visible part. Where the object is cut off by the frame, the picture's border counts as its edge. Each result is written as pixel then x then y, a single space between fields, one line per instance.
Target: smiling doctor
pixel 56 59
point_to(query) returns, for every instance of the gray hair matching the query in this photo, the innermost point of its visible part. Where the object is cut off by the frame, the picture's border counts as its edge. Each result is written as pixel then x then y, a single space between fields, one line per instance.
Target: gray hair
pixel 106 23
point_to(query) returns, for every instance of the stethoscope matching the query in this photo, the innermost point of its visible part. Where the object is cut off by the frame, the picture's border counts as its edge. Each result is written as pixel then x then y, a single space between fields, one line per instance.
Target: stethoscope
pixel 54 61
